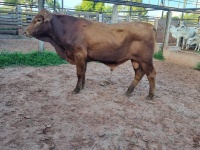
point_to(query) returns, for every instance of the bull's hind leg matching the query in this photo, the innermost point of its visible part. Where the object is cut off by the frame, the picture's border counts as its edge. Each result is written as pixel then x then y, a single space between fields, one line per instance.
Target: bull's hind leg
pixel 151 74
pixel 139 73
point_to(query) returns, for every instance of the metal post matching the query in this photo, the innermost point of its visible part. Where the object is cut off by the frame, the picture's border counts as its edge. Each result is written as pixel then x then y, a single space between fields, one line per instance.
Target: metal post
pixel 139 16
pixel 156 23
pixel 178 3
pixel 19 18
pixel 162 4
pixel 67 12
pixel 184 5
pixel 128 18
pixel 40 7
pixel 114 14
pixel 54 5
pixel 100 17
pixel 62 5
pixel 182 15
pixel 168 23
pixel 197 3
pixel 162 14
pixel 199 21
pixel 130 11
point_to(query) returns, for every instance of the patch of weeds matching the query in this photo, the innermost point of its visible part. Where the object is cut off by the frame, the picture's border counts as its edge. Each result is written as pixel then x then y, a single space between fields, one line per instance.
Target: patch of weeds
pixel 159 55
pixel 34 58
pixel 198 66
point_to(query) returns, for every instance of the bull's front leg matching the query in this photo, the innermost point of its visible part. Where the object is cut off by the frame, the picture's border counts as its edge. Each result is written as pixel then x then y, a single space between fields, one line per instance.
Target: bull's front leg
pixel 198 46
pixel 183 44
pixel 177 41
pixel 81 64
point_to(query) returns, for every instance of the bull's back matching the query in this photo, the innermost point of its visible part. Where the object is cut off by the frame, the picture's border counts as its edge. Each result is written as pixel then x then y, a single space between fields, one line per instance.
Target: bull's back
pixel 118 34
pixel 118 42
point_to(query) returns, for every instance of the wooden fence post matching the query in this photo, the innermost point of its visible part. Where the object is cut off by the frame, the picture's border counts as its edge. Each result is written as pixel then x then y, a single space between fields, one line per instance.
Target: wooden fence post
pixel 19 19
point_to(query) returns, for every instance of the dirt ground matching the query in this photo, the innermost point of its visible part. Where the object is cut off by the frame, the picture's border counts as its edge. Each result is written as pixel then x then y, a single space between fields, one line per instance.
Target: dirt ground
pixel 39 112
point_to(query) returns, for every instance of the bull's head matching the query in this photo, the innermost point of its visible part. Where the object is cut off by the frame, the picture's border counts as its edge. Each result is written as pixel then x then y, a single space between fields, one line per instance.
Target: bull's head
pixel 40 24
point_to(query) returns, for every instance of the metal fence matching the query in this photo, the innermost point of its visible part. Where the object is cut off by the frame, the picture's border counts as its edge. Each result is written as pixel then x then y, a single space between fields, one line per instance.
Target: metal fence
pixel 13 21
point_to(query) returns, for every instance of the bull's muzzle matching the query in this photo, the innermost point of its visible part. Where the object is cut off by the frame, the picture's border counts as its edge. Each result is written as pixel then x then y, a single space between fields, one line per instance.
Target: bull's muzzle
pixel 26 34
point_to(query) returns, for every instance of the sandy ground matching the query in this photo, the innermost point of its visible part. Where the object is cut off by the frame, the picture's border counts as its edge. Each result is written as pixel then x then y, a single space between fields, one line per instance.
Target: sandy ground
pixel 39 112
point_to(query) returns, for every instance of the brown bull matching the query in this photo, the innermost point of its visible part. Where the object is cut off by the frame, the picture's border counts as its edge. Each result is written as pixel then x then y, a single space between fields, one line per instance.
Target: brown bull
pixel 79 40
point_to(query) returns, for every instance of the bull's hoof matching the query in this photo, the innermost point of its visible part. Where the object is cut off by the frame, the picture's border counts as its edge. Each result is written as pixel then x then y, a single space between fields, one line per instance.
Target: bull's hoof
pixel 76 90
pixel 128 94
pixel 150 97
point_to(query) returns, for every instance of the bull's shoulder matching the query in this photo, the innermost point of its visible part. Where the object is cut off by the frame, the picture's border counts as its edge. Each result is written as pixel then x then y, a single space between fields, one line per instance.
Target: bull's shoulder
pixel 71 20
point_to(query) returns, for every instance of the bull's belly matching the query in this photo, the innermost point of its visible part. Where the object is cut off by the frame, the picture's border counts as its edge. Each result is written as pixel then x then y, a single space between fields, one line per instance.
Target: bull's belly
pixel 108 55
pixel 111 59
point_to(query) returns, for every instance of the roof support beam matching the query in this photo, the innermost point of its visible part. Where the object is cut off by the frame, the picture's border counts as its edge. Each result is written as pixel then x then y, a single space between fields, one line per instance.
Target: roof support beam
pixel 157 7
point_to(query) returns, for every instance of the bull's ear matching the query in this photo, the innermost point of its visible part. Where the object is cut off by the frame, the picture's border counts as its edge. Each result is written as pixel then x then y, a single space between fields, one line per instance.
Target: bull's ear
pixel 47 16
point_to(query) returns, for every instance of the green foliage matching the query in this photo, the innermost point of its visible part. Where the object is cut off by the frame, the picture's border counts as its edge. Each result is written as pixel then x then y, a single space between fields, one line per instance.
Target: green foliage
pixel 133 8
pixel 50 3
pixel 107 8
pixel 34 58
pixel 159 55
pixel 175 17
pixel 198 66
pixel 101 7
pixel 191 17
pixel 12 1
pixel 19 1
pixel 91 6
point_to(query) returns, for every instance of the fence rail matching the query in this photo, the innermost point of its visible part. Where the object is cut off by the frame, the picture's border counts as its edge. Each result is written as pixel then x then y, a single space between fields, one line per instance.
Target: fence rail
pixel 20 17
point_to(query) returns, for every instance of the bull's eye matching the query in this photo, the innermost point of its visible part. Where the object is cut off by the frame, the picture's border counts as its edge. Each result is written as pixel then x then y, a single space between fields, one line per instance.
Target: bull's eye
pixel 39 20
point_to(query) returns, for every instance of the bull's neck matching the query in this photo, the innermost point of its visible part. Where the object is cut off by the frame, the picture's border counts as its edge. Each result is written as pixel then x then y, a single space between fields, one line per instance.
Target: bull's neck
pixel 61 26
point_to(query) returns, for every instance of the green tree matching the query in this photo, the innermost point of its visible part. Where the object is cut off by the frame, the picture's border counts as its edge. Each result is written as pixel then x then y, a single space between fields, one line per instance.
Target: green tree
pixel 12 1
pixel 50 3
pixel 20 1
pixel 91 6
pixel 135 9
pixel 101 7
pixel 191 17
pixel 175 17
